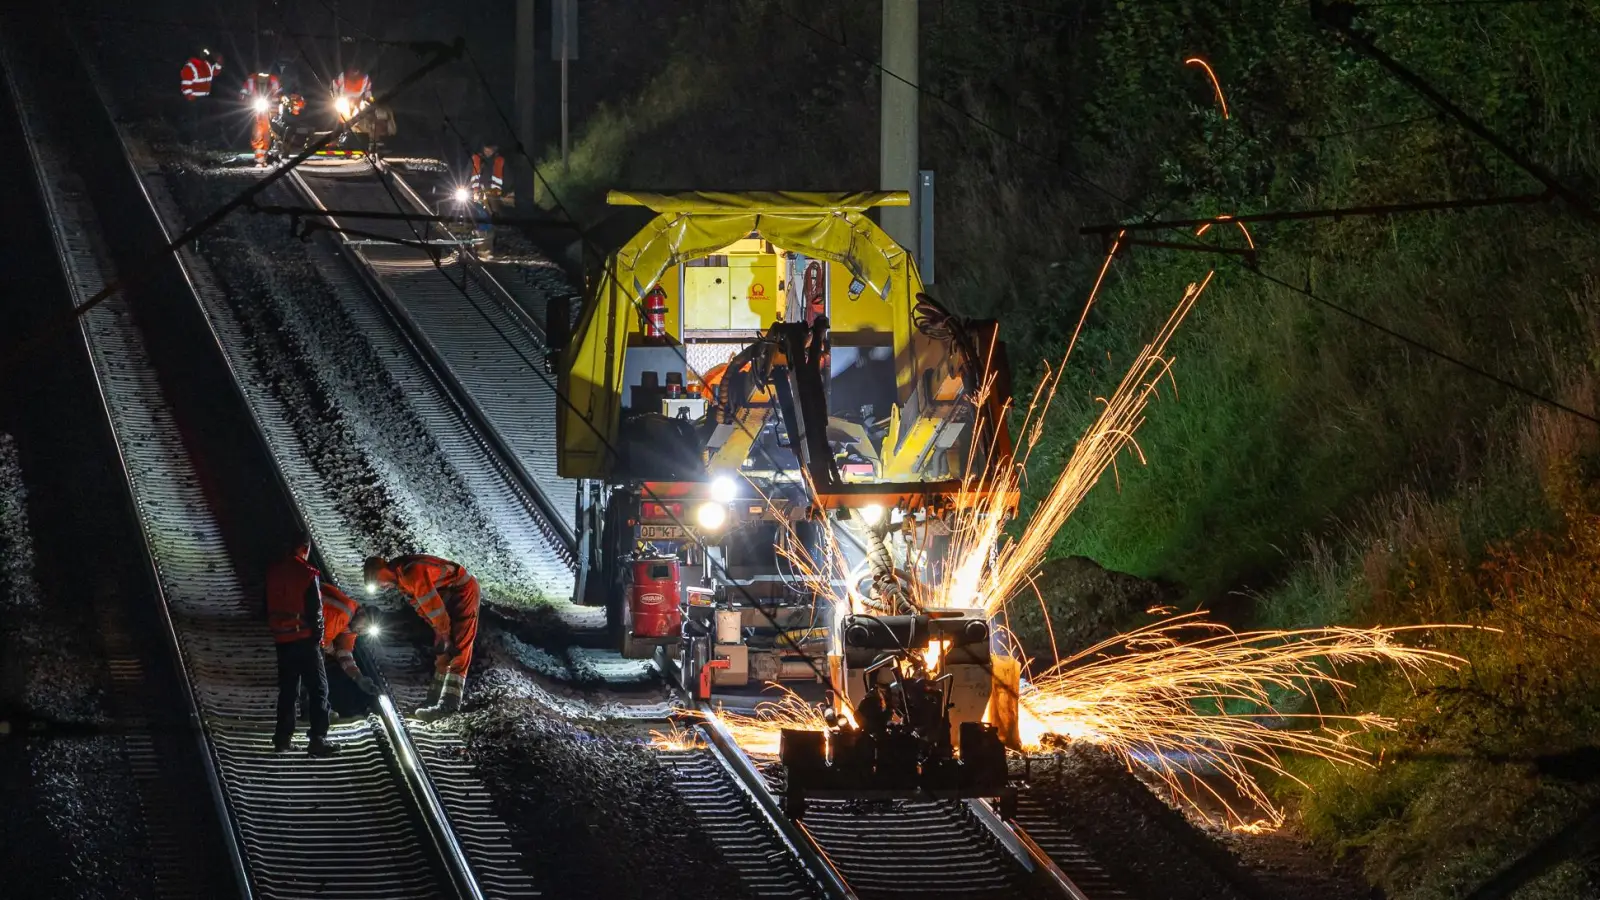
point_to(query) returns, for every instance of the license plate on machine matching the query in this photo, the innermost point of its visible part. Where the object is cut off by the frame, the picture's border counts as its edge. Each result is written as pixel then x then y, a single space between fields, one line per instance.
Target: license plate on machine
pixel 661 533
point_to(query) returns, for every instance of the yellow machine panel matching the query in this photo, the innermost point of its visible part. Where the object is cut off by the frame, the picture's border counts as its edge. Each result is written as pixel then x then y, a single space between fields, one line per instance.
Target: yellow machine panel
pixel 869 312
pixel 707 297
pixel 692 226
pixel 754 288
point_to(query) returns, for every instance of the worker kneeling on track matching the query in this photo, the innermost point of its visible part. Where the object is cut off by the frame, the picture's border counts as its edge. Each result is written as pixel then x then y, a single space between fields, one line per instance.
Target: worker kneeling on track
pixel 343 620
pixel 446 596
pixel 294 613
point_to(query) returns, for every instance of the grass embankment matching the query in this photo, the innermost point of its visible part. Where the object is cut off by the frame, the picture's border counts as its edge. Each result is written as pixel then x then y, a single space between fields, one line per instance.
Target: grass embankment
pixel 1306 469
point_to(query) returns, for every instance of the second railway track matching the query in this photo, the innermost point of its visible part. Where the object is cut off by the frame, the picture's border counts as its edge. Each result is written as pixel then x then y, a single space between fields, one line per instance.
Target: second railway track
pixel 208 520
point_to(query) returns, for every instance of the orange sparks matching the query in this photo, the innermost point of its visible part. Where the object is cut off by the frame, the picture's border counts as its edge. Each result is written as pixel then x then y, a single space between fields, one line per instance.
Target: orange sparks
pixel 1184 699
pixel 677 737
pixel 1215 84
pixel 1248 238
pixel 760 733
pixel 1184 696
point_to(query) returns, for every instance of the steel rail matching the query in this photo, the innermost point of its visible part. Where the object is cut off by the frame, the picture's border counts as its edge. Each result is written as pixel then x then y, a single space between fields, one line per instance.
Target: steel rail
pixel 220 803
pixel 796 837
pixel 1024 848
pixel 407 763
pixel 727 777
pixel 511 307
pixel 399 750
pixel 495 445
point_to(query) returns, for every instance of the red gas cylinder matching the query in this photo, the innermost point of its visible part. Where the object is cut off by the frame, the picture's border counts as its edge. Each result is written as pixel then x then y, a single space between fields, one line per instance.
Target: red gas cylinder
pixel 655 313
pixel 653 600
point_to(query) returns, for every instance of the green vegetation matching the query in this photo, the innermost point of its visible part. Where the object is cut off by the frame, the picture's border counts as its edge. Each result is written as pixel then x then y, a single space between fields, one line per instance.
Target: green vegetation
pixel 595 160
pixel 1304 469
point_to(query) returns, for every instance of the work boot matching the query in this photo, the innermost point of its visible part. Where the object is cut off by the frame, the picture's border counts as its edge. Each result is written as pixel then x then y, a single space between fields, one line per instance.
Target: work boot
pixel 434 690
pixel 282 745
pixel 323 748
pixel 438 711
pixel 451 687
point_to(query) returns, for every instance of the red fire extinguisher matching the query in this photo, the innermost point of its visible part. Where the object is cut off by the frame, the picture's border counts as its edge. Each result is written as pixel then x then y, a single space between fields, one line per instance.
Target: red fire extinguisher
pixel 655 313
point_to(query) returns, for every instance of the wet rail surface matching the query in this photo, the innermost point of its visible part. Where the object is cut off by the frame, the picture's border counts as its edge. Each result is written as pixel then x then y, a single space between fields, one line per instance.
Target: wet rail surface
pixel 211 512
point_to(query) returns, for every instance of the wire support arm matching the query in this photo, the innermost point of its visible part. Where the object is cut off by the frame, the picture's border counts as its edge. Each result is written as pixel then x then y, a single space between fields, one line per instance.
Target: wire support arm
pixel 1347 212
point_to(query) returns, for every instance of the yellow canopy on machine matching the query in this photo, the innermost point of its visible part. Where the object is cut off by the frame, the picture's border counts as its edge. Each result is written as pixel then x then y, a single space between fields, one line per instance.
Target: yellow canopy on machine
pixel 830 226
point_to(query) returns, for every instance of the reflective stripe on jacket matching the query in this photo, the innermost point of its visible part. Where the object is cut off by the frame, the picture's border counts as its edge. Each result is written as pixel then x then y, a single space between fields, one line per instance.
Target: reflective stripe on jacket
pixel 294 600
pixel 338 609
pixel 432 586
pixel 196 76
pixel 495 180
pixel 262 84
pixel 353 83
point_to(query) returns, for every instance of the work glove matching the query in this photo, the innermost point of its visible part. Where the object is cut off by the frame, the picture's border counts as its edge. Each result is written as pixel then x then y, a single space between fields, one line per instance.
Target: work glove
pixel 443 647
pixel 367 685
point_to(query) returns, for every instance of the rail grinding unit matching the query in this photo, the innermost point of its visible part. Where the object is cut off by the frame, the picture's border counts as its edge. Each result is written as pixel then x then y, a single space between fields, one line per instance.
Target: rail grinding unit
pixel 774 425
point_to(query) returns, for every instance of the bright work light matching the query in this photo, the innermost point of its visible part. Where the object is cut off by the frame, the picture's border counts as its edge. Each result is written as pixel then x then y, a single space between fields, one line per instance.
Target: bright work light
pixel 723 489
pixel 261 104
pixel 711 515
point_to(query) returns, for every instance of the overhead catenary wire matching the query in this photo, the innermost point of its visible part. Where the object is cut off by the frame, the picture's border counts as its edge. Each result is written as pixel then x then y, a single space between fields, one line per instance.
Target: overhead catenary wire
pixel 1242 264
pixel 442 53
pixel 589 245
pixel 794 644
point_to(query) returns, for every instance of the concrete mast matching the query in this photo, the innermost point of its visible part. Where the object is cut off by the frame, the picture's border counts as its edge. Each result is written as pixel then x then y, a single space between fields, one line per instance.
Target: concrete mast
pixel 524 76
pixel 897 135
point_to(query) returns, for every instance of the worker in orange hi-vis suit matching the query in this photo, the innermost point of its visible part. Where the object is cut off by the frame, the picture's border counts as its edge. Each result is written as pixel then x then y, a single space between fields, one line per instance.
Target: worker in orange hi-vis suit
pixel 263 92
pixel 197 74
pixel 352 90
pixel 343 619
pixel 446 596
pixel 294 614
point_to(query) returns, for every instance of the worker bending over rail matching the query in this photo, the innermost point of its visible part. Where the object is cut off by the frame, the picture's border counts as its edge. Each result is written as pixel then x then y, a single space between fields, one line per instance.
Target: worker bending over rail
pixel 445 595
pixel 343 619
pixel 294 613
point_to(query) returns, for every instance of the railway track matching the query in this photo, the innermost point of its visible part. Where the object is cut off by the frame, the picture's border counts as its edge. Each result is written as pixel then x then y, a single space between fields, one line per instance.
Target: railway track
pixel 363 824
pixel 745 834
pixel 499 407
pixel 471 325
pixel 480 339
pixel 457 810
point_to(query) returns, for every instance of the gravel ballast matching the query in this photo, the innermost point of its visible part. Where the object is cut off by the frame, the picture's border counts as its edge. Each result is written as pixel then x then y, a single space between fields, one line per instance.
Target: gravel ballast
pixel 72 820
pixel 576 796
